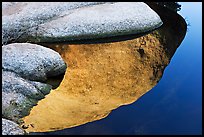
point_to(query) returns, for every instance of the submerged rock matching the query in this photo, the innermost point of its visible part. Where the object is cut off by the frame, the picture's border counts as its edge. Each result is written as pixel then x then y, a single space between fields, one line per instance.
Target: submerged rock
pixel 32 61
pixel 56 22
pixel 11 128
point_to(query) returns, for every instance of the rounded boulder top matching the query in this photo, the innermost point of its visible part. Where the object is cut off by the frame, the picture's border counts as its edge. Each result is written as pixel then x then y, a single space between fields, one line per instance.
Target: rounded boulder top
pixel 56 23
pixel 32 61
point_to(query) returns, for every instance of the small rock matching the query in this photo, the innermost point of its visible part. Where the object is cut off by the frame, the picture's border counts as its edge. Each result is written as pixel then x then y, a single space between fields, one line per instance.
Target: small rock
pixel 32 61
pixel 11 128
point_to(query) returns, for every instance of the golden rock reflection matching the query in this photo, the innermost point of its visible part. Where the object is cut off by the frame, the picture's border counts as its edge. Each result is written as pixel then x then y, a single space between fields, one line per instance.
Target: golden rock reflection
pixel 102 77
pixel 99 78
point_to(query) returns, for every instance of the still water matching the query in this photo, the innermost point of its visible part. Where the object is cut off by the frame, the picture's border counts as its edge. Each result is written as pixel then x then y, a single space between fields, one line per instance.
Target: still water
pixel 174 105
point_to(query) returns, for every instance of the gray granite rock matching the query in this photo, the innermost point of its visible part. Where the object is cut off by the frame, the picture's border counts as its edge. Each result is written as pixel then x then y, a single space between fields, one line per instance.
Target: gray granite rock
pixel 23 66
pixel 32 61
pixel 42 87
pixel 16 105
pixel 11 128
pixel 19 17
pixel 54 22
pixel 8 4
pixel 14 83
pixel 20 95
pixel 99 21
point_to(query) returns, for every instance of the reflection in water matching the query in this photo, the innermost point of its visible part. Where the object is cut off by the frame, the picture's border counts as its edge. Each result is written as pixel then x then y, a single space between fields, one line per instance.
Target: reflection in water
pixel 102 77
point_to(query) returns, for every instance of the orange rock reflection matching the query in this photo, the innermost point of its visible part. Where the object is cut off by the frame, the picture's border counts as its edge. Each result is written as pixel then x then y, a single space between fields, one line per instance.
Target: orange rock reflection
pixel 99 78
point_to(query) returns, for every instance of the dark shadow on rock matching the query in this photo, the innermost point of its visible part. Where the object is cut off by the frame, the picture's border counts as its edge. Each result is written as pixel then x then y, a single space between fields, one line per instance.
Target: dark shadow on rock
pixel 55 81
pixel 100 40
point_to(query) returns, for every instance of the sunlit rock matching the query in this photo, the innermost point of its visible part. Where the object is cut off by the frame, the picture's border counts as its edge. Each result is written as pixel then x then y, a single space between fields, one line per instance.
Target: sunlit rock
pixel 102 77
pixel 19 18
pixel 56 22
pixel 32 61
pixel 100 21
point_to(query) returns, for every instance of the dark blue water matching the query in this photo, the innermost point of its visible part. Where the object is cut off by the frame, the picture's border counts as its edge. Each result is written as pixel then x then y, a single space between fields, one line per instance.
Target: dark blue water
pixel 174 105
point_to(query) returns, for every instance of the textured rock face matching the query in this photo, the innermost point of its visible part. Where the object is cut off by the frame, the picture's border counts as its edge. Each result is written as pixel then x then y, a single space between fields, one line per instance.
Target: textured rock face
pixel 21 64
pixel 52 22
pixel 19 18
pixel 8 4
pixel 32 61
pixel 11 128
pixel 102 77
pixel 20 95
pixel 100 21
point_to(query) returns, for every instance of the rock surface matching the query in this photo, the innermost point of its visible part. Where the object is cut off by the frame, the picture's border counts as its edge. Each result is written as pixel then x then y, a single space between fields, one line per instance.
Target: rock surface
pixel 20 95
pixel 23 66
pixel 100 21
pixel 19 17
pixel 53 22
pixel 11 128
pixel 102 77
pixel 32 61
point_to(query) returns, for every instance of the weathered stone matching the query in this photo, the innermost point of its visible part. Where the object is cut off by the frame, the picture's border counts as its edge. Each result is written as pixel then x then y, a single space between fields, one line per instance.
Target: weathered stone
pixel 99 21
pixel 8 4
pixel 42 87
pixel 19 17
pixel 20 95
pixel 53 22
pixel 105 76
pixel 11 128
pixel 32 61
pixel 22 63
pixel 16 105
pixel 11 83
